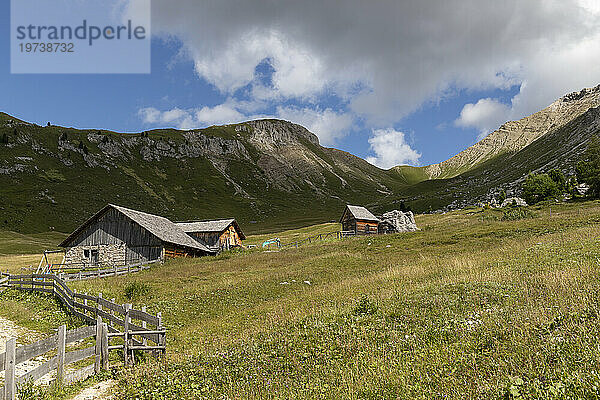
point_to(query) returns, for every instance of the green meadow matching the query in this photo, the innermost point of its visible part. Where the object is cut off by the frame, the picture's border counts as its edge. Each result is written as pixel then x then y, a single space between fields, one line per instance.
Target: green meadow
pixel 477 304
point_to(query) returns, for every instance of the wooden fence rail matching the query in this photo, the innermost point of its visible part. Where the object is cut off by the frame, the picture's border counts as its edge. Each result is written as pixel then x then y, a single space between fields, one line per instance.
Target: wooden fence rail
pixel 58 342
pixel 90 272
pixel 320 237
pixel 134 327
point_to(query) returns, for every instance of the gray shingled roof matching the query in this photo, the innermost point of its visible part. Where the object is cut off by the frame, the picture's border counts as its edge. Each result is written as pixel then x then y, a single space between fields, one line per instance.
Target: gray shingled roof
pixel 160 227
pixel 205 226
pixel 361 213
pixel 209 226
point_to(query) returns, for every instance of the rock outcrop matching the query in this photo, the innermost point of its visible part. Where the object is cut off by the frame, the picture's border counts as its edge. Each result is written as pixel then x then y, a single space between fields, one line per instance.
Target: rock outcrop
pixel 514 201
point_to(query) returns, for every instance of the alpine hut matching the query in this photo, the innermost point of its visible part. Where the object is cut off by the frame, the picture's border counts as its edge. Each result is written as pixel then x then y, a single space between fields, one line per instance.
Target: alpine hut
pixel 222 234
pixel 120 236
pixel 360 220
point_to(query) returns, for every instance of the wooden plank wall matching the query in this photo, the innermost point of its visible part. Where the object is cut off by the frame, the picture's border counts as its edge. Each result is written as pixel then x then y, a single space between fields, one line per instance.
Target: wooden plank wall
pixel 366 227
pixel 114 228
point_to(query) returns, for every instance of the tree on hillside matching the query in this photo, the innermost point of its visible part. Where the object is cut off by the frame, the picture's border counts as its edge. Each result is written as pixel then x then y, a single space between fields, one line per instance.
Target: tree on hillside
pixel 588 168
pixel 4 139
pixel 404 208
pixel 539 187
pixel 501 196
pixel 557 176
pixel 571 186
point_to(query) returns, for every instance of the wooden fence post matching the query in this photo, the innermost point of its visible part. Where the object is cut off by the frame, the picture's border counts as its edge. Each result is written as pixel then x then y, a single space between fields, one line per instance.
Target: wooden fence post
pixel 126 334
pixel 144 341
pixel 98 349
pixel 112 312
pixel 60 355
pixel 9 366
pixel 163 336
pixel 104 343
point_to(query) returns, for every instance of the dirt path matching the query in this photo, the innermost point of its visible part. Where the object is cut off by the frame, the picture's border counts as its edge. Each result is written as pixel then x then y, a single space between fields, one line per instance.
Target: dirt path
pixel 9 329
pixel 97 392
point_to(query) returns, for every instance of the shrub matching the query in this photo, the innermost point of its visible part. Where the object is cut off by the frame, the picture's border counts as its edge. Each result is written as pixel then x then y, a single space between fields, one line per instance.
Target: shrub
pixel 136 290
pixel 501 196
pixel 364 306
pixel 404 207
pixel 559 178
pixel 539 187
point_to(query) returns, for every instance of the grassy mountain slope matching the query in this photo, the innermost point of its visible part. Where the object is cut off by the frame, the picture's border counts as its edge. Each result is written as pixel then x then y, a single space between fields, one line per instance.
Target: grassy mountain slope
pixel 511 137
pixel 266 173
pixel 559 148
pixel 269 174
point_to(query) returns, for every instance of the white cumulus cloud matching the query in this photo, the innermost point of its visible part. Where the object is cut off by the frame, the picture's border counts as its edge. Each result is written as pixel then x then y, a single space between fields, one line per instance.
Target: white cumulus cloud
pixel 486 116
pixel 384 59
pixel 328 125
pixel 218 115
pixel 391 149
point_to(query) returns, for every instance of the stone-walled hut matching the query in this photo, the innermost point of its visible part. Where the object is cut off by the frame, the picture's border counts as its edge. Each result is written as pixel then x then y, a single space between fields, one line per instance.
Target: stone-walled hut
pixel 120 236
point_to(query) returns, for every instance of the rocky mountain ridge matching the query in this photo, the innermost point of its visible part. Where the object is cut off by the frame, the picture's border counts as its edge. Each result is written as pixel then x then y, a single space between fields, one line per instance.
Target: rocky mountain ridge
pixel 269 174
pixel 516 135
pixel 256 171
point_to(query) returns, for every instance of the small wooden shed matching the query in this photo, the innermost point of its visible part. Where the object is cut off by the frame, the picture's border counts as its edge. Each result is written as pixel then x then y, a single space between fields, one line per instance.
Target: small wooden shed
pixel 359 220
pixel 222 234
pixel 120 236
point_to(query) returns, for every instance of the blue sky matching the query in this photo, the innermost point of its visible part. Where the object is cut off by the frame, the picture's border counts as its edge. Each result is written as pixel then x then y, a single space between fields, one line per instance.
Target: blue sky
pixel 393 93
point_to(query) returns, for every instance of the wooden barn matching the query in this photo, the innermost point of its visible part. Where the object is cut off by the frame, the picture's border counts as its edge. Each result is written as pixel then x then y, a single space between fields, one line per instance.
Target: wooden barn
pixel 359 220
pixel 119 236
pixel 222 234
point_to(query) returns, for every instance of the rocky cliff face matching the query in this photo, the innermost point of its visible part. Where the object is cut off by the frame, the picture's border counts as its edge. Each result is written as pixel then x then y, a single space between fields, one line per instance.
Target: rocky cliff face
pixel 516 135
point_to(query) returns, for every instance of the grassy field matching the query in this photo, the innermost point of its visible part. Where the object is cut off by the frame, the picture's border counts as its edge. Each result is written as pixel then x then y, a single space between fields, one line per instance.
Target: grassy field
pixel 12 243
pixel 478 304
pixel 294 235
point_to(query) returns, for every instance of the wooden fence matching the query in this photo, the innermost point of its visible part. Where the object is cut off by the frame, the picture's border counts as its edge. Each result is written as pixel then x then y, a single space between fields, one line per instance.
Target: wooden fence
pixel 320 237
pixel 134 328
pixel 58 342
pixel 86 272
pixel 90 273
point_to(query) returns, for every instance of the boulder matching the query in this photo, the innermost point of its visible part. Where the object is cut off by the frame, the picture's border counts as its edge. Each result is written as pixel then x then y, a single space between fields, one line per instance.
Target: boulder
pixel 514 201
pixel 582 189
pixel 397 221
